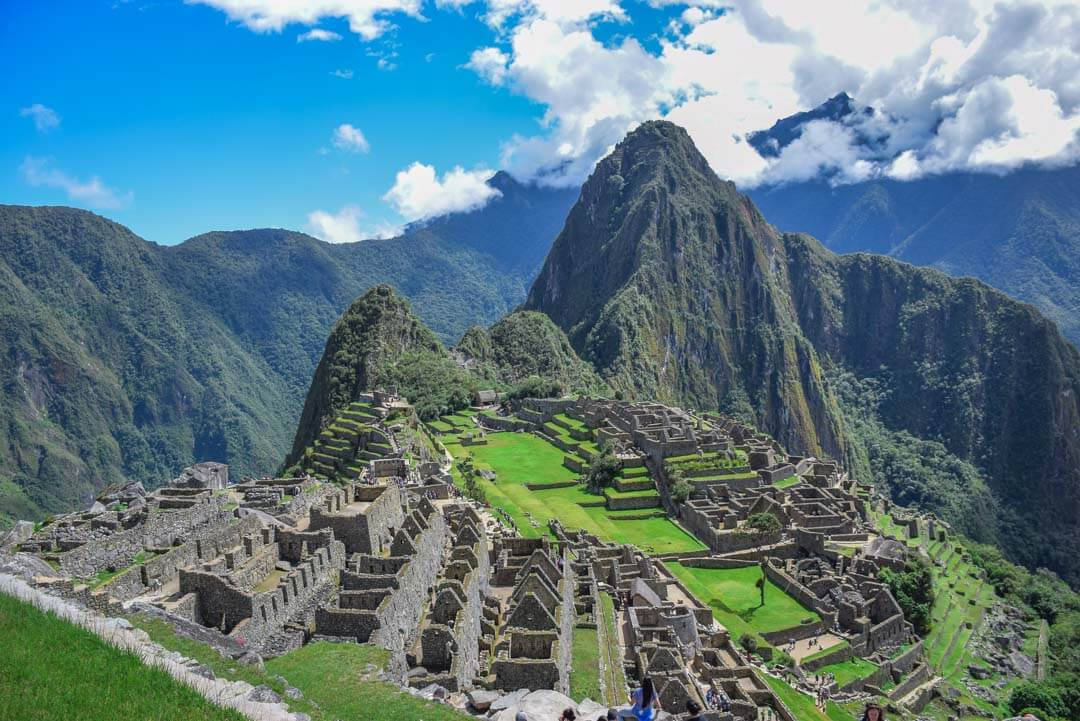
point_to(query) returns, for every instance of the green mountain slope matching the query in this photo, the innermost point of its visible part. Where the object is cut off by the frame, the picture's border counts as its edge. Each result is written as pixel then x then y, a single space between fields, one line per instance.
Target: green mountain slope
pixel 129 360
pixel 110 375
pixel 947 391
pixel 525 344
pixel 1019 232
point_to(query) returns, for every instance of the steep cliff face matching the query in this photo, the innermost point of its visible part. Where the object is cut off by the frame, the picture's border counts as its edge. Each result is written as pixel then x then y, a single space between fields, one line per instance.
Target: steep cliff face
pixel 376 329
pixel 673 286
pixel 989 378
pixel 948 392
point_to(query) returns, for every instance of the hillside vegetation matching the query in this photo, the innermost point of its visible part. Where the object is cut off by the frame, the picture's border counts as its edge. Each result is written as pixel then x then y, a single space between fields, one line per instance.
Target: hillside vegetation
pixel 129 360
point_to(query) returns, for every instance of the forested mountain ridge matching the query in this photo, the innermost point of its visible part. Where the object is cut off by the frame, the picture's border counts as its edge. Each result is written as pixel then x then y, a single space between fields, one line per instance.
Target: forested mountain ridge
pixel 129 360
pixel 1018 232
pixel 948 392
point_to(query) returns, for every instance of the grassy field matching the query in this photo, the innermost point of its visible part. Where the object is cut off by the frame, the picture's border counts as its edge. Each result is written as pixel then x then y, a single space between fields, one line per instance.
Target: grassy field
pixel 615 678
pixel 585 666
pixel 734 599
pixel 338 677
pixel 320 670
pixel 787 482
pixel 802 705
pixel 848 671
pixel 520 458
pixel 51 670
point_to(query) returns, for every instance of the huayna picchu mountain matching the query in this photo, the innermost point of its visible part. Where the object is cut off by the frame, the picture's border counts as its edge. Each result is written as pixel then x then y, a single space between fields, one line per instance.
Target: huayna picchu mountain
pixel 948 392
pixel 379 342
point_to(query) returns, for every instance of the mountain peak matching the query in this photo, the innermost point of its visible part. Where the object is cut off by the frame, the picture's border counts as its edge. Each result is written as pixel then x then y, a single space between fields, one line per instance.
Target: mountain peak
pixel 378 326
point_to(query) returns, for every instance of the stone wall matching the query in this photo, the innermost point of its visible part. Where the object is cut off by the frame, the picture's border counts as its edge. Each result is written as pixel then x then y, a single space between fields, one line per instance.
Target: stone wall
pixel 369 530
pixel 157 529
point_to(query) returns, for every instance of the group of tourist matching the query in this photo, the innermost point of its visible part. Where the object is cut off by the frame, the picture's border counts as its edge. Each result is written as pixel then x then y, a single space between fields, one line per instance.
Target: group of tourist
pixel 717 700
pixel 645 706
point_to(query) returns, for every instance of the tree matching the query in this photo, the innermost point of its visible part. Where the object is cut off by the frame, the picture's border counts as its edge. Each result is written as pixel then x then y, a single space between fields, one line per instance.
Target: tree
pixel 602 470
pixel 913 589
pixel 1039 695
pixel 761 527
pixel 469 479
pixel 680 487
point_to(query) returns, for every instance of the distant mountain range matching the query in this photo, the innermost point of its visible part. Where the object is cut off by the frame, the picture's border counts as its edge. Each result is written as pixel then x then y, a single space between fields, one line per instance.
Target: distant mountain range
pixel 126 359
pixel 1018 232
pixel 947 392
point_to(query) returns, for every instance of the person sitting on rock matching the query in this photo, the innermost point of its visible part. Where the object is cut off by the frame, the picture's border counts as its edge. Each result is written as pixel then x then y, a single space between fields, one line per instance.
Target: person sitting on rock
pixel 568 715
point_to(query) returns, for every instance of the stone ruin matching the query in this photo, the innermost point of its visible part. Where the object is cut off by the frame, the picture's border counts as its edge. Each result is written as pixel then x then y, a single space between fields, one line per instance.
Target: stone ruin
pixel 368 541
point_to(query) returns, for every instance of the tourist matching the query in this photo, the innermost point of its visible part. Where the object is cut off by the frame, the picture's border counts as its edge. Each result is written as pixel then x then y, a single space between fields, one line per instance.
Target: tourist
pixel 568 715
pixel 612 715
pixel 873 712
pixel 694 709
pixel 646 704
pixel 520 716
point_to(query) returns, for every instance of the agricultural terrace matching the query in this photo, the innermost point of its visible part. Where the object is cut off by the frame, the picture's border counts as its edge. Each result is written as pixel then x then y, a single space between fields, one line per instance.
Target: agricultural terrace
pixel 521 458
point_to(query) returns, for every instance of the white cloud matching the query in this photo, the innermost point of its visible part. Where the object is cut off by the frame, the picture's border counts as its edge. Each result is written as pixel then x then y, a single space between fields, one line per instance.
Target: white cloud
pixel 318 34
pixel 344 226
pixel 45 118
pixel 563 12
pixel 366 18
pixel 970 85
pixel 593 95
pixel 344 73
pixel 39 172
pixel 490 64
pixel 419 193
pixel 349 137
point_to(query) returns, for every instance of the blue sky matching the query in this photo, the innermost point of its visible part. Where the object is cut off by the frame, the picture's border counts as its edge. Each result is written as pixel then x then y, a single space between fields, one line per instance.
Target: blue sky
pixel 211 126
pixel 177 118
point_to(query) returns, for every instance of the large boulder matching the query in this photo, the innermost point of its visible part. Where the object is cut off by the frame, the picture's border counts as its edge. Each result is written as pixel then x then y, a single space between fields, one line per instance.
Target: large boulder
pixel 509 700
pixel 481 700
pixel 542 705
pixel 19 533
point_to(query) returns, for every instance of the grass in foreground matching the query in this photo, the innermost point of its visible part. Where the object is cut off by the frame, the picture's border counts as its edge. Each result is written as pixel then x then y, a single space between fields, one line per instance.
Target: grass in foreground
pixel 734 599
pixel 338 677
pixel 802 705
pixel 51 670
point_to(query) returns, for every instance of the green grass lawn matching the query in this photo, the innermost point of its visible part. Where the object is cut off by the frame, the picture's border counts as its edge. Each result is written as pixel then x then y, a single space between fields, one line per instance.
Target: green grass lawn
pixel 520 458
pixel 734 599
pixel 802 705
pixel 585 665
pixel 787 482
pixel 51 670
pixel 615 678
pixel 320 670
pixel 572 422
pixel 848 671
